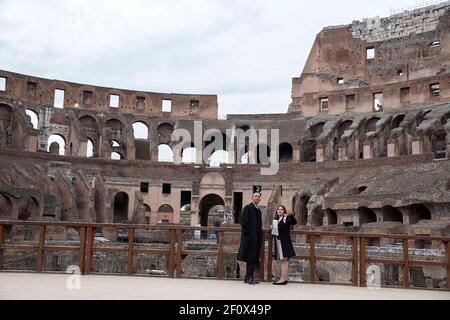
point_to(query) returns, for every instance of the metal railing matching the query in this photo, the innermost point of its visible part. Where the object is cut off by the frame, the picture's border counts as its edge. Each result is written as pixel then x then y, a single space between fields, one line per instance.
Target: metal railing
pixel 359 258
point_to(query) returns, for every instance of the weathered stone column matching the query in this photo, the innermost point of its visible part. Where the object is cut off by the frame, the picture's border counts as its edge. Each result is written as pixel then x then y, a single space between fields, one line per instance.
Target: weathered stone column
pixel 82 149
pixel 320 153
pixel 195 219
pixel 392 149
pixel 295 154
pixel 343 155
pixel 368 151
pixel 406 215
pixel 417 147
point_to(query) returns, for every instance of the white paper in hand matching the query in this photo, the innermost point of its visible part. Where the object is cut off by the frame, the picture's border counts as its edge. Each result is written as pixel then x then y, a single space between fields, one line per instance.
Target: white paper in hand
pixel 275 228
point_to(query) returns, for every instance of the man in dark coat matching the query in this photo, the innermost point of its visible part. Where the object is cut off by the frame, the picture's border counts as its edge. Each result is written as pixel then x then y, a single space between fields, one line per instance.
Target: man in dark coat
pixel 251 238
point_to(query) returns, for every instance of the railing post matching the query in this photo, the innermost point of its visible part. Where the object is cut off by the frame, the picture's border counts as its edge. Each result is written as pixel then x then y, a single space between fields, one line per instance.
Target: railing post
pixel 82 249
pixel 448 264
pixel 355 262
pixel 312 259
pixel 220 257
pixel 40 255
pixel 171 252
pixel 406 263
pixel 363 263
pixel 130 251
pixel 2 242
pixel 179 252
pixel 89 250
pixel 270 259
pixel 262 258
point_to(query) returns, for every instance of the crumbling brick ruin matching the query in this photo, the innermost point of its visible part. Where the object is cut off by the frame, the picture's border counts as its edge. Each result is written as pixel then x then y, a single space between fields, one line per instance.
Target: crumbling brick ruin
pixel 364 147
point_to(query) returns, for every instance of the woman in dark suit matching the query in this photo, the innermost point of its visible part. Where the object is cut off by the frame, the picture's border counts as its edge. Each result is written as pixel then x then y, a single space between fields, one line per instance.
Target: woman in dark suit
pixel 284 250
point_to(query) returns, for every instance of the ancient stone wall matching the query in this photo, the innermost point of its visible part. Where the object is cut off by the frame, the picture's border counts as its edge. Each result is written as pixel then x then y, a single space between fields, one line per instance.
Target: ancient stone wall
pixel 377 65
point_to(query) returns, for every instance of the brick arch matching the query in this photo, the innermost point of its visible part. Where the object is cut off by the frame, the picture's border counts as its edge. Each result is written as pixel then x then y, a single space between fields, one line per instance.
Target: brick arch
pixel 316 130
pixel 121 206
pixel 143 126
pixel 213 178
pixel 366 215
pixel 419 212
pixel 286 152
pixel 115 124
pixel 397 120
pixel 89 122
pixel 206 204
pixel 392 214
pixel 57 144
pixel 331 216
pixel 33 117
pixel 344 126
pixel 28 208
pixel 60 118
pixel 371 124
pixel 165 131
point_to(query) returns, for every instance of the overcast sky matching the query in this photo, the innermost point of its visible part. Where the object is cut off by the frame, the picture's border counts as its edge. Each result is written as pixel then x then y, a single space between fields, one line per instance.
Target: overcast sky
pixel 246 51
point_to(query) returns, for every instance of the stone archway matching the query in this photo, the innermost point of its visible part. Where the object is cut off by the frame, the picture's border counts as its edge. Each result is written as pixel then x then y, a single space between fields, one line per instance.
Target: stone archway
pixel 206 204
pixel 331 217
pixel 366 216
pixel 120 207
pixel 165 214
pixel 28 207
pixel 286 153
pixel 392 214
pixel 419 212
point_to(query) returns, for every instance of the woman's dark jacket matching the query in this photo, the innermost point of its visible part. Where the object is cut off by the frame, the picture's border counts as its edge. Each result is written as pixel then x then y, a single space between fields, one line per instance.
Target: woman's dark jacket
pixel 251 235
pixel 284 235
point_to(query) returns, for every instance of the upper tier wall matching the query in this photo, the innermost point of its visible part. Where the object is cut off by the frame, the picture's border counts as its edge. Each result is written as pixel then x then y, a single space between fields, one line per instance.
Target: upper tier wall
pixel 29 88
pixel 400 61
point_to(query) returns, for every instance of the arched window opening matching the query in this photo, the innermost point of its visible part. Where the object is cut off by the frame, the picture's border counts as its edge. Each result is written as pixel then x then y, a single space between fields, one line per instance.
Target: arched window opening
pixel 120 207
pixel 116 156
pixel 397 121
pixel 90 149
pixel 331 217
pixel 56 145
pixel 419 213
pixel 165 153
pixel 366 216
pixel 392 214
pixel 286 153
pixel 371 124
pixel 33 118
pixel 140 130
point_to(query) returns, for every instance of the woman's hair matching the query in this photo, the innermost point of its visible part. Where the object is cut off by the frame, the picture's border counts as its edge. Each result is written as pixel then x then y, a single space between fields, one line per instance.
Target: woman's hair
pixel 276 212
